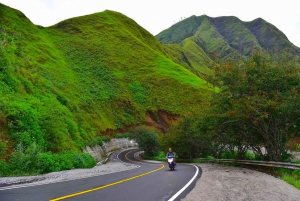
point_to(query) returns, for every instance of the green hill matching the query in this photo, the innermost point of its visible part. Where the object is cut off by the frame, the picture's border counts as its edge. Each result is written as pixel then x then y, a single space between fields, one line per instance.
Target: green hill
pixel 228 36
pixel 64 85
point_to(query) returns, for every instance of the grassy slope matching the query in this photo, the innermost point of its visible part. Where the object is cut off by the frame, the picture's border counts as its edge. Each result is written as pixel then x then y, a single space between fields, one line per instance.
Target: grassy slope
pixel 211 40
pixel 179 31
pixel 269 37
pixel 183 33
pixel 236 34
pixel 226 35
pixel 62 86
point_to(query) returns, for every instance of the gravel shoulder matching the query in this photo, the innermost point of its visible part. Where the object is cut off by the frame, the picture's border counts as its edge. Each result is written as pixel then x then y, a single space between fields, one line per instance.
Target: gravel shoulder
pixel 225 183
pixel 114 165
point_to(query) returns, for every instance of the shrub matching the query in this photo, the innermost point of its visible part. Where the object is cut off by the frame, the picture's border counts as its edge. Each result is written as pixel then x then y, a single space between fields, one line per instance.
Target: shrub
pixel 227 155
pixel 19 163
pixel 99 141
pixel 83 160
pixel 105 138
pixel 118 135
pixel 4 168
pixel 209 157
pixel 249 156
pixel 147 138
pixel 46 163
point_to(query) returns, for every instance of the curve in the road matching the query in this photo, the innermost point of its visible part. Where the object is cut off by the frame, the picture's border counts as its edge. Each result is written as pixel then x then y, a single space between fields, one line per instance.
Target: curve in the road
pixel 135 184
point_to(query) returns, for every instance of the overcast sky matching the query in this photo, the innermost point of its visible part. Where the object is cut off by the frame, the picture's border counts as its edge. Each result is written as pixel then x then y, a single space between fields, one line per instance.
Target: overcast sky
pixel 157 15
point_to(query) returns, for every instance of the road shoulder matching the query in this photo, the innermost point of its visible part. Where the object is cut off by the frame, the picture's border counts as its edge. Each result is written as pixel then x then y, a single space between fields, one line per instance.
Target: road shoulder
pixel 225 183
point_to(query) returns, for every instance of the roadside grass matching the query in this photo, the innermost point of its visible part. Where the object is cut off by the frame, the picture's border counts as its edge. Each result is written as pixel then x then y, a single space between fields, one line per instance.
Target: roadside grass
pixel 290 176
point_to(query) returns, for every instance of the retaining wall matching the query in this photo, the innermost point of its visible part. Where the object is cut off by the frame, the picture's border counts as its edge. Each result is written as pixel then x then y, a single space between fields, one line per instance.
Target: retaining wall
pixel 100 152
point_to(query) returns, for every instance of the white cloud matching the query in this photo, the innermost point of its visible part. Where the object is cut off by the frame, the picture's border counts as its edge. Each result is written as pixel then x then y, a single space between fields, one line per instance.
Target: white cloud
pixel 157 15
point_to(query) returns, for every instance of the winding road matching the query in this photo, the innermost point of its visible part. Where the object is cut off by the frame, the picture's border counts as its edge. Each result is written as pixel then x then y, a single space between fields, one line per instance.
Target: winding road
pixel 151 181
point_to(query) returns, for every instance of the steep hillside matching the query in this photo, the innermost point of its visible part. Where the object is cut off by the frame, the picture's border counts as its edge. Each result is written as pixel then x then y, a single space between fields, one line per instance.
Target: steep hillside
pixel 228 36
pixel 64 85
pixel 269 37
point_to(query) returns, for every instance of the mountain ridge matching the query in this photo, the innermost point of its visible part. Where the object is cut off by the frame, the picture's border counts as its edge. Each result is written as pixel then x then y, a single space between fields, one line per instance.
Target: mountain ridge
pixel 240 37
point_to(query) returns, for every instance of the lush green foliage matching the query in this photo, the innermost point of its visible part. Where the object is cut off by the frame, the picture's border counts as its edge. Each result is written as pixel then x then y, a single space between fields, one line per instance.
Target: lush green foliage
pixel 147 138
pixel 33 161
pixel 229 36
pixel 188 139
pixel 62 86
pixel 258 104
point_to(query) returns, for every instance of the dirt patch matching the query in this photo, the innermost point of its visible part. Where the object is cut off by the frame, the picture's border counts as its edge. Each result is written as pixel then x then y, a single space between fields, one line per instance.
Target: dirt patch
pixel 226 183
pixel 161 120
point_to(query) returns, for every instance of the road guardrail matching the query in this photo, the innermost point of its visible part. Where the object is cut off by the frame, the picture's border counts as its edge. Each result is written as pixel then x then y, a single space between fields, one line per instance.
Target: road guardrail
pixel 292 166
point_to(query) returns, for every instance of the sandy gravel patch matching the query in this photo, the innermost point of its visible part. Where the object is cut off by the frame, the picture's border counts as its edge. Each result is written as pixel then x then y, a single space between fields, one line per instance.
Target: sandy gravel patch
pixel 224 183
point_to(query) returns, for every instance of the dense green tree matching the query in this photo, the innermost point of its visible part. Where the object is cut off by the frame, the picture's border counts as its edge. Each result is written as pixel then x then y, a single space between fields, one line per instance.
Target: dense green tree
pixel 190 138
pixel 147 138
pixel 258 104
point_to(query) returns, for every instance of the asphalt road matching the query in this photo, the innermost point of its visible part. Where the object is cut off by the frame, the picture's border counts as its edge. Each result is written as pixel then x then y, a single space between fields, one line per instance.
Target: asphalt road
pixel 152 181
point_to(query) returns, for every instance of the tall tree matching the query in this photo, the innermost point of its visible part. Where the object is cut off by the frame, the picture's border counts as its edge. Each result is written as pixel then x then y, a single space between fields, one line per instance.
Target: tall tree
pixel 259 101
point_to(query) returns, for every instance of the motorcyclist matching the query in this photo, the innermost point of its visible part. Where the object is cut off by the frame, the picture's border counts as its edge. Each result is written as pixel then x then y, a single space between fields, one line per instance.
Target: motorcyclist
pixel 170 152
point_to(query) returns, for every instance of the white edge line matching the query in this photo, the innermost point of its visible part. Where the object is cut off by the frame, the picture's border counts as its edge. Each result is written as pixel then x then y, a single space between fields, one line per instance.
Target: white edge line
pixel 187 185
pixel 63 180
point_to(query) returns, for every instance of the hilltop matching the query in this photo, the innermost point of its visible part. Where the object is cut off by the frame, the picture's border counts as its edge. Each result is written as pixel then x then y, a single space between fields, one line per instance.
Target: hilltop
pixel 64 85
pixel 227 36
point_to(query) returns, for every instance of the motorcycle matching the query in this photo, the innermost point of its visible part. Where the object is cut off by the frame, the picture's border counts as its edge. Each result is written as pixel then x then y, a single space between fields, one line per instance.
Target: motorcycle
pixel 171 162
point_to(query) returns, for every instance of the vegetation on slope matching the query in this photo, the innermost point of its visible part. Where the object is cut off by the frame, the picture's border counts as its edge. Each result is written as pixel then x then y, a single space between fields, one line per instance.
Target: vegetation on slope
pixel 257 107
pixel 228 36
pixel 64 85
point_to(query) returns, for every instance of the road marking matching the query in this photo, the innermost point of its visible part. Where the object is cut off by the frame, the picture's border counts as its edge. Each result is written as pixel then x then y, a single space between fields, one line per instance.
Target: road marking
pixel 124 161
pixel 108 185
pixel 187 185
pixel 132 160
pixel 63 180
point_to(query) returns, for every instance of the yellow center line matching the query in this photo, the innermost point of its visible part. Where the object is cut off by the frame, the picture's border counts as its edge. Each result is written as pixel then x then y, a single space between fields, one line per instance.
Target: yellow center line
pixel 108 185
pixel 132 160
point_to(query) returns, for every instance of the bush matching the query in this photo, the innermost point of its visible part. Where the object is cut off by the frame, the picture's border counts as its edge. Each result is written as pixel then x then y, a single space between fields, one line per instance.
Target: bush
pixel 227 155
pixel 209 157
pixel 46 163
pixel 64 160
pixel 249 156
pixel 4 168
pixel 105 138
pixel 99 141
pixel 19 163
pixel 147 138
pixel 118 135
pixel 49 162
pixel 83 160
pixel 28 163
